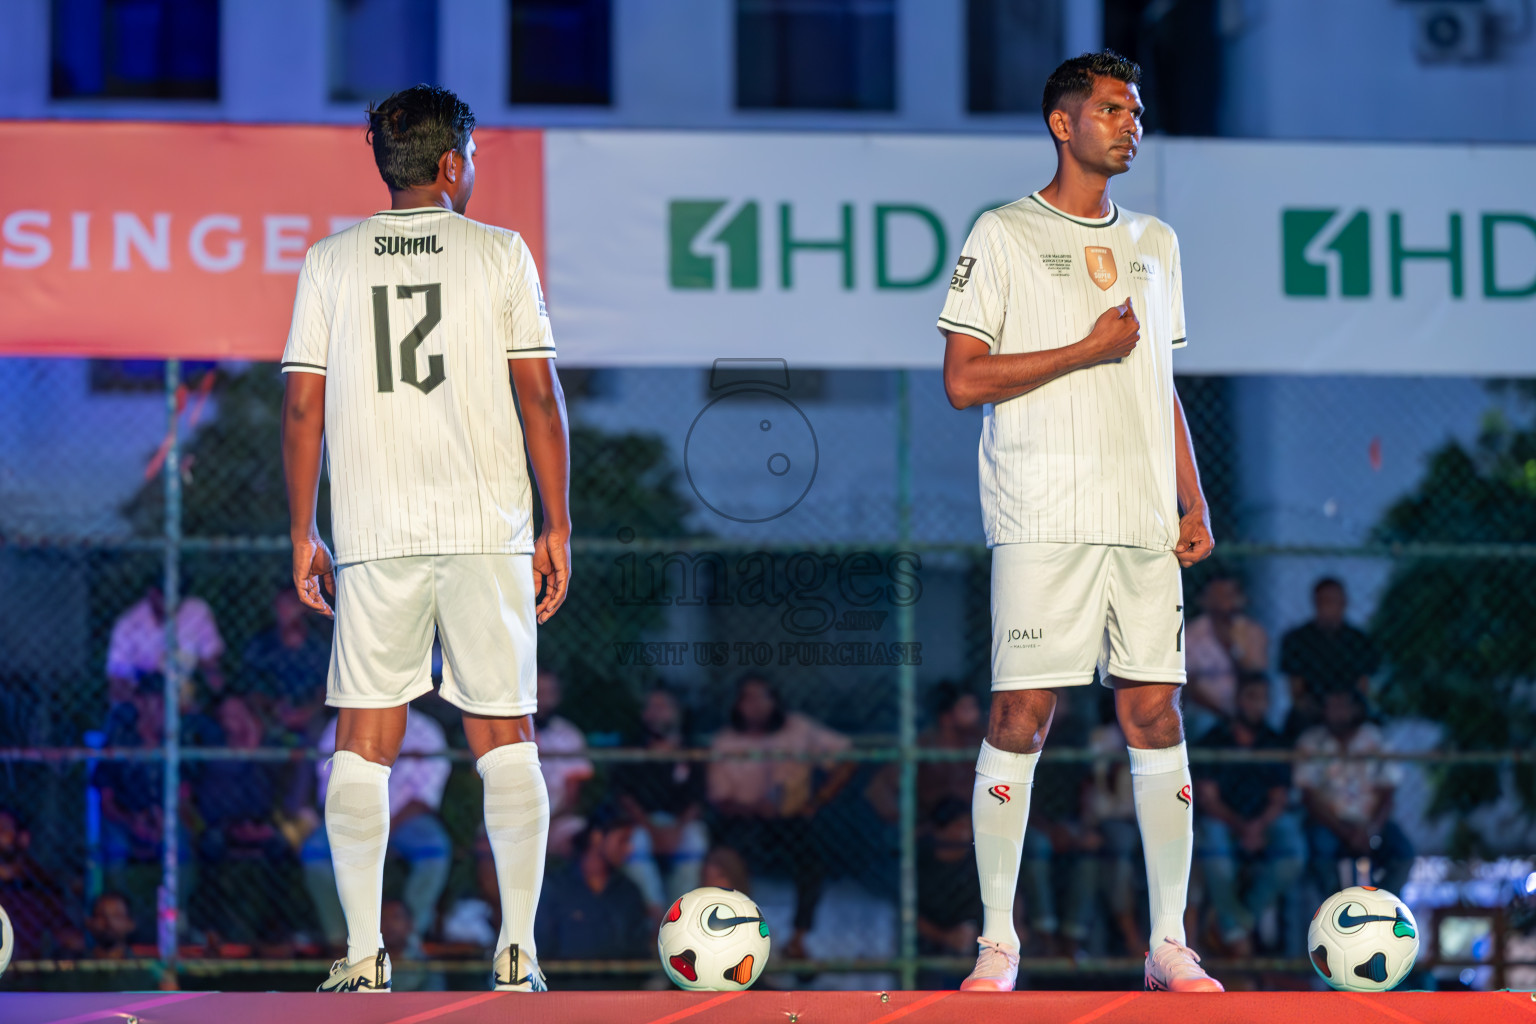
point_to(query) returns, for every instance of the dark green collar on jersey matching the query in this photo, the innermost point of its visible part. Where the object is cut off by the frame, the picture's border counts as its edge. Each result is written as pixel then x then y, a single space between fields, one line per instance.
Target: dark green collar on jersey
pixel 1102 223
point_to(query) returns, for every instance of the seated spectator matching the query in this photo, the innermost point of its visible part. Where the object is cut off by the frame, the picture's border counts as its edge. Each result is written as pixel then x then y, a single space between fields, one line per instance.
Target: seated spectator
pixel 284 670
pixel 1243 820
pixel 1109 821
pixel 767 808
pixel 132 797
pixel 1324 656
pixel 398 929
pixel 666 800
pixel 35 902
pixel 137 646
pixel 957 725
pixel 565 772
pixel 949 908
pixel 1349 803
pixel 111 928
pixel 590 909
pixel 1059 845
pixel 240 851
pixel 1218 645
pixel 416 833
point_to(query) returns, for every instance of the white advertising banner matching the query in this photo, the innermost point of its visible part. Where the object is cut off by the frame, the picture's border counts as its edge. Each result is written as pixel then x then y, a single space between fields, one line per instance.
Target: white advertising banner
pixel 835 250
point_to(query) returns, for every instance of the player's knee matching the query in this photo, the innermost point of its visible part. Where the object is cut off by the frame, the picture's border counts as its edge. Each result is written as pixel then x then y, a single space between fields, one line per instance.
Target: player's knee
pixel 1020 720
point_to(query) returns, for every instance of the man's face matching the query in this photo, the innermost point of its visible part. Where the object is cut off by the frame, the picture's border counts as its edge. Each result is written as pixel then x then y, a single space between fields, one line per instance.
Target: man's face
pixel 395 924
pixel 1253 703
pixel 1105 128
pixel 966 714
pixel 660 715
pixel 111 923
pixel 1222 598
pixel 1341 713
pixel 615 845
pixel 756 705
pixel 548 692
pixel 466 177
pixel 288 610
pixel 1329 604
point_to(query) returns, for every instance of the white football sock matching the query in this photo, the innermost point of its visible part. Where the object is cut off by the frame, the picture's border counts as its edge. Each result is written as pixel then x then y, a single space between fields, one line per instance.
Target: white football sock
pixel 1165 809
pixel 357 824
pixel 517 825
pixel 999 812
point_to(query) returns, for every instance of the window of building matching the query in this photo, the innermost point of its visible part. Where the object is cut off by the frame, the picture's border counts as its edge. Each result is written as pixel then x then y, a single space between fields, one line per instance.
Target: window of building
pixel 562 52
pixel 816 54
pixel 1012 46
pixel 379 47
pixel 150 49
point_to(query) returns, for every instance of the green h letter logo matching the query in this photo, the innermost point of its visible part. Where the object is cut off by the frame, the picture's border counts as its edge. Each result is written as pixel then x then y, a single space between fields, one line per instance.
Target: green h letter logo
pixel 1306 275
pixel 688 267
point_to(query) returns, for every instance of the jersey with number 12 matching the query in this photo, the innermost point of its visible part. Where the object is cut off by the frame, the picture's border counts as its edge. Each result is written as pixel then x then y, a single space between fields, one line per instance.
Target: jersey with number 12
pixel 411 316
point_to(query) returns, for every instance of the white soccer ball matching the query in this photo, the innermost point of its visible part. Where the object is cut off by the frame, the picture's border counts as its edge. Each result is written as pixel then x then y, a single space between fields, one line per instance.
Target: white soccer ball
pixel 1363 939
pixel 713 940
pixel 7 941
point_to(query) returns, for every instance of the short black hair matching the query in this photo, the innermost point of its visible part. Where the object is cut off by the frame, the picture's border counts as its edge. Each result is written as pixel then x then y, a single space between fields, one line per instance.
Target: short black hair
pixel 1252 677
pixel 412 130
pixel 776 720
pixel 1326 583
pixel 1073 78
pixel 945 695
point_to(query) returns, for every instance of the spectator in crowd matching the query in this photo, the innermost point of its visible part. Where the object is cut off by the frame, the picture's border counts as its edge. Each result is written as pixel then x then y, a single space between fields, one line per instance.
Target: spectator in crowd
pixel 416 833
pixel 767 808
pixel 132 795
pixel 285 668
pixel 666 801
pixel 724 868
pixel 1243 820
pixel 591 910
pixel 1324 656
pixel 565 771
pixel 240 851
pixel 398 928
pixel 957 725
pixel 1349 803
pixel 1218 645
pixel 110 928
pixel 1059 845
pixel 1109 821
pixel 137 646
pixel 35 902
pixel 948 891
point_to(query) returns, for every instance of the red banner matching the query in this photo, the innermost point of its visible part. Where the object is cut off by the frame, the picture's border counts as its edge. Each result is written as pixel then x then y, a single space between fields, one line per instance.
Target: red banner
pixel 131 239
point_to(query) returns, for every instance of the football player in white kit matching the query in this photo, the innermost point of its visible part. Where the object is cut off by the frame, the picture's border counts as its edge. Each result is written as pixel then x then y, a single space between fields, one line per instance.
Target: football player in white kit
pixel 431 509
pixel 1061 321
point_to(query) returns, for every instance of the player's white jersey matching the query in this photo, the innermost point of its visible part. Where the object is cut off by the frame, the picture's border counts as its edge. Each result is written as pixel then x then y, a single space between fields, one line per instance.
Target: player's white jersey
pixel 1087 458
pixel 412 316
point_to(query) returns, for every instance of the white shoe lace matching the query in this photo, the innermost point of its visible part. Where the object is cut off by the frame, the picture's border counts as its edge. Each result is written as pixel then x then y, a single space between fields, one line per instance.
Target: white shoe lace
pixel 995 960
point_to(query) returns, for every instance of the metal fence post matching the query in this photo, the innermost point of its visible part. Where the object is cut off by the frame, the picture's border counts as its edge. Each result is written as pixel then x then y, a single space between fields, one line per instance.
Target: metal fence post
pixel 906 689
pixel 170 833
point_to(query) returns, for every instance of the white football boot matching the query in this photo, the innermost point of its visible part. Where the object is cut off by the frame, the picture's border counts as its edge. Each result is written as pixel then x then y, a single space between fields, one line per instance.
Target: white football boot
pixel 516 971
pixel 370 974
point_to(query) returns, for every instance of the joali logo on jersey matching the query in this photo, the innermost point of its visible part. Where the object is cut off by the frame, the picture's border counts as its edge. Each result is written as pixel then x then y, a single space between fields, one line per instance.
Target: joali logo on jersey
pixel 724 244
pixel 1330 252
pixel 1101 266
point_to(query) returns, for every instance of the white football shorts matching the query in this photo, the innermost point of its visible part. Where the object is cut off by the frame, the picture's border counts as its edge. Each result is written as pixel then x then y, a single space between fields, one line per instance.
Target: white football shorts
pixel 481 608
pixel 1060 610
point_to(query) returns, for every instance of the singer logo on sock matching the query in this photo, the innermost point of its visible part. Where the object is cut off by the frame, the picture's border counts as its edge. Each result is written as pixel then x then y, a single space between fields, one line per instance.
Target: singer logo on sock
pixel 1001 792
pixel 1184 798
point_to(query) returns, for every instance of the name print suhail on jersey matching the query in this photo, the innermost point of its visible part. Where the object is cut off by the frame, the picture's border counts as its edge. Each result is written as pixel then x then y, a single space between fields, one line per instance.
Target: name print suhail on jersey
pixel 411 316
pixel 1087 458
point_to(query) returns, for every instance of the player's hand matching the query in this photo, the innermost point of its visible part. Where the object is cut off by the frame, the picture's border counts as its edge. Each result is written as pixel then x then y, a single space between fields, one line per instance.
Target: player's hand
pixel 551 571
pixel 1114 335
pixel 314 570
pixel 1195 543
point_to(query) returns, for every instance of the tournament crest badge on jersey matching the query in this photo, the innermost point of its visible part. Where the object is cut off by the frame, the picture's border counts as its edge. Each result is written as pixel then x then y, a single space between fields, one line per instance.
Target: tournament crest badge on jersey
pixel 1101 266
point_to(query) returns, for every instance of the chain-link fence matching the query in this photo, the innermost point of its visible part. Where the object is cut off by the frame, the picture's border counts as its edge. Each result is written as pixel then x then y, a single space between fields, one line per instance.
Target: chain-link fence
pixel 771 673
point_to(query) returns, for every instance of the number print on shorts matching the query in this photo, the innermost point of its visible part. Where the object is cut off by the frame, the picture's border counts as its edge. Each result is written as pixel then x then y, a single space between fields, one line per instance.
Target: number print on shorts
pixel 1178 638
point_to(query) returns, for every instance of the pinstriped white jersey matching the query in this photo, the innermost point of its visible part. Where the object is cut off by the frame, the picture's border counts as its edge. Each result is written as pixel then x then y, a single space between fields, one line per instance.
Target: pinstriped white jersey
pixel 411 315
pixel 1089 457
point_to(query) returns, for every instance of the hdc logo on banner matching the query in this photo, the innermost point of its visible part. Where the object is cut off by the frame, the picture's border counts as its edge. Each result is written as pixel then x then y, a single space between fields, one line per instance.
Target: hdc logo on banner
pixel 718 244
pixel 1328 252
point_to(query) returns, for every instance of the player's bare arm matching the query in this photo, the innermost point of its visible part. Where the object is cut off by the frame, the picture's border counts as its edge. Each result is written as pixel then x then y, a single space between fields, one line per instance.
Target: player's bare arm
pixel 1195 542
pixel 549 451
pixel 303 444
pixel 973 375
